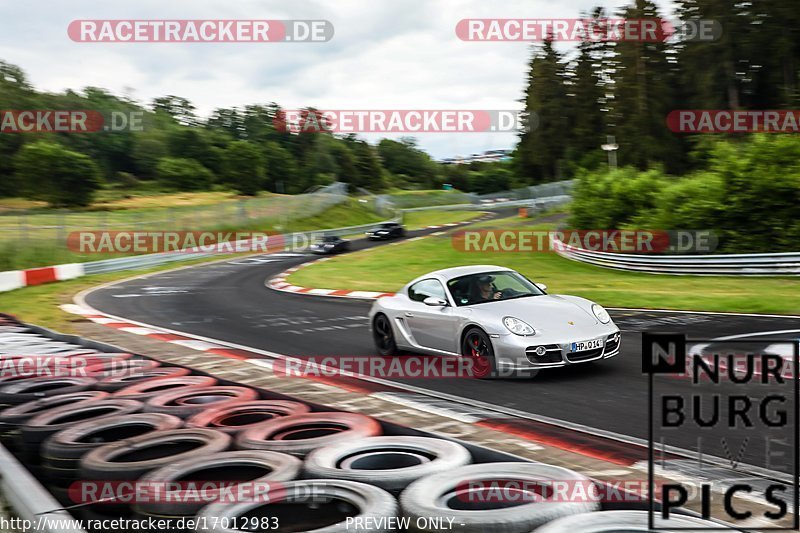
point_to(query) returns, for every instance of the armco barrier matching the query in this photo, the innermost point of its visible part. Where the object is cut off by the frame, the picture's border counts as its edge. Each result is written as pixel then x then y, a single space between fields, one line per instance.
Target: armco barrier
pixel 540 203
pixel 16 279
pixel 779 264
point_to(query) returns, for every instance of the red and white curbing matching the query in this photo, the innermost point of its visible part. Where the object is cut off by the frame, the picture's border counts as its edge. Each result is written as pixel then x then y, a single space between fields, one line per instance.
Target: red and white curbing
pixel 16 279
pixel 279 282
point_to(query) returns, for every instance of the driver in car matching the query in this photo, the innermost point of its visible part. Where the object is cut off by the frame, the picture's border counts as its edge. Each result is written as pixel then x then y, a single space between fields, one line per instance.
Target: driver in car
pixel 486 289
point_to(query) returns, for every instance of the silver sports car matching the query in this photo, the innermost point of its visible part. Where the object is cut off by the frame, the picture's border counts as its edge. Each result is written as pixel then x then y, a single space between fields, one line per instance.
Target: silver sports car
pixel 496 316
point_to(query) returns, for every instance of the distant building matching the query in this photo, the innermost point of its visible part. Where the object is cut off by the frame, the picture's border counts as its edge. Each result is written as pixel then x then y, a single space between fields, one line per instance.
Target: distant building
pixel 489 156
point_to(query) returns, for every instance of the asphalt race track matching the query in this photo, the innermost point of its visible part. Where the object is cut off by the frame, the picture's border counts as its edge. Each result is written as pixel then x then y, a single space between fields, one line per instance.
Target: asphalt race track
pixel 229 302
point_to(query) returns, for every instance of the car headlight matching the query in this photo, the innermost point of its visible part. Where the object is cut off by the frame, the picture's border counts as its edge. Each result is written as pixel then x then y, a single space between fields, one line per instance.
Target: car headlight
pixel 517 326
pixel 601 314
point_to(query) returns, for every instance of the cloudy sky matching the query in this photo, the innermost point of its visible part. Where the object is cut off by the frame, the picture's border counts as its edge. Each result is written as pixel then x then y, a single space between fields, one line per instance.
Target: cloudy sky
pixel 386 54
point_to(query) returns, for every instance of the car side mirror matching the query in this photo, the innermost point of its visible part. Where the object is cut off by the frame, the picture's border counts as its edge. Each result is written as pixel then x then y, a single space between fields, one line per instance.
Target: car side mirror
pixel 541 286
pixel 434 301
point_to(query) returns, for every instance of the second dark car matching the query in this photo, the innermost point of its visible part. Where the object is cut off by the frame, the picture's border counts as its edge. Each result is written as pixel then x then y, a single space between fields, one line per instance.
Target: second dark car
pixel 387 230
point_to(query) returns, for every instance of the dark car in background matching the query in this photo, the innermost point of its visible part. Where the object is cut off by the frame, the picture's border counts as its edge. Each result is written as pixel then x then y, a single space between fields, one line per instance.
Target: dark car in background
pixel 387 230
pixel 330 244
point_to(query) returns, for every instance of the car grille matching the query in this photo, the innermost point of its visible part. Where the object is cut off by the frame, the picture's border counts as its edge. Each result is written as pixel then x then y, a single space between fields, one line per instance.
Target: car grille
pixel 552 355
pixel 576 357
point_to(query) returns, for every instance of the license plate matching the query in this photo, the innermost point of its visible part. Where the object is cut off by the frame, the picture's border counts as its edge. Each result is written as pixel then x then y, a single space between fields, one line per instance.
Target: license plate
pixel 586 345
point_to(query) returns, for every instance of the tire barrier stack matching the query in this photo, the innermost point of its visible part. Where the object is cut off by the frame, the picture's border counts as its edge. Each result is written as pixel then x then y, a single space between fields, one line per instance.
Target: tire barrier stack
pixel 154 425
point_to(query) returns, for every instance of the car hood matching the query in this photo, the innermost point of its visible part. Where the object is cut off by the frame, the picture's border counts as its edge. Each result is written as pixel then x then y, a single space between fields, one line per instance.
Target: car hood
pixel 547 313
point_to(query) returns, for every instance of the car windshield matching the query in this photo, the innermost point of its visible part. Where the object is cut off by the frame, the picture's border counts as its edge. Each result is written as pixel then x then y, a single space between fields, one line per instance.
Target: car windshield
pixel 330 239
pixel 386 226
pixel 491 286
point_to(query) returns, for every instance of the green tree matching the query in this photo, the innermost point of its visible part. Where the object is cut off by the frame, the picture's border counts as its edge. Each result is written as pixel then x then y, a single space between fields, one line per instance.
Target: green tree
pixel 183 174
pixel 541 145
pixel 244 168
pixel 56 175
pixel 644 94
pixel 408 163
pixel 281 167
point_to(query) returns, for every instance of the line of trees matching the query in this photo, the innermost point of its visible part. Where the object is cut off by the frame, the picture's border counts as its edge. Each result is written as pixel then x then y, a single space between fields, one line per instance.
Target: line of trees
pixel 627 88
pixel 239 149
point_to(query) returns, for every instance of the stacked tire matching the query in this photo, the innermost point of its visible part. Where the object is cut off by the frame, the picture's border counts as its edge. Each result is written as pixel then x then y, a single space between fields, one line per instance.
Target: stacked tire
pixel 132 423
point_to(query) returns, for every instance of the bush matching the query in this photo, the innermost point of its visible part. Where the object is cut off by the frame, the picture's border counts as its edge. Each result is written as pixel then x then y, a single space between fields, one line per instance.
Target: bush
pixel 610 200
pixel 59 176
pixel 748 194
pixel 125 180
pixel 243 168
pixel 183 174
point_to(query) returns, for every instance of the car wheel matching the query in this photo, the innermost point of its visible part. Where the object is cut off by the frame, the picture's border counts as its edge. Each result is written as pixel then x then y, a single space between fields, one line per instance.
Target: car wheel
pixel 477 347
pixel 384 335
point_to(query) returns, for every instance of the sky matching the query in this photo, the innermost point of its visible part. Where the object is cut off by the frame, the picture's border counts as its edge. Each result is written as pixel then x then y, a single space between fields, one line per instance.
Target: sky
pixel 401 54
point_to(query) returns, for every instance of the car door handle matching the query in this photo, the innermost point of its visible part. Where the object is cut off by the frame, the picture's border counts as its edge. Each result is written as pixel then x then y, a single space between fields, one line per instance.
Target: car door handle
pixel 410 315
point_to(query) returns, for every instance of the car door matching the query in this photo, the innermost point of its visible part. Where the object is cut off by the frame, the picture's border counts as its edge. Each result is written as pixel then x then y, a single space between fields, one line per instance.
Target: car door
pixel 432 327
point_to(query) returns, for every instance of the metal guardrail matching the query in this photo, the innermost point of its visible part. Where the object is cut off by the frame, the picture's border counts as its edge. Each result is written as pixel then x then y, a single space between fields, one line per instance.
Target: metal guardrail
pixel 777 264
pixel 543 190
pixel 534 203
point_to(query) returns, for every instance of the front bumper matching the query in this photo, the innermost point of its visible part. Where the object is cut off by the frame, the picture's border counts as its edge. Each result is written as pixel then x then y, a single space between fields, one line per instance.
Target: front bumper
pixel 520 353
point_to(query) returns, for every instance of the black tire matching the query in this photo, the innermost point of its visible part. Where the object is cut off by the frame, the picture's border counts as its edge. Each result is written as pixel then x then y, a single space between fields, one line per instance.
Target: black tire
pixel 62 451
pixel 477 348
pixel 383 335
pixel 132 458
pixel 12 419
pixel 238 416
pixel 144 390
pixel 187 402
pixel 117 383
pixel 390 463
pixel 28 390
pixel 445 495
pixel 614 521
pixel 37 429
pixel 312 505
pixel 301 434
pixel 246 466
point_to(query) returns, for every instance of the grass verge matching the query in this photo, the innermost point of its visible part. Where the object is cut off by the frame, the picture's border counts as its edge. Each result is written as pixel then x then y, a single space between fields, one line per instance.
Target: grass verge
pixel 422 219
pixel 387 269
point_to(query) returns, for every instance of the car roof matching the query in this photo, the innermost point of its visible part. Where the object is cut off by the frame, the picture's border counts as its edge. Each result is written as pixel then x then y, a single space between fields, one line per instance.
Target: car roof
pixel 456 272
